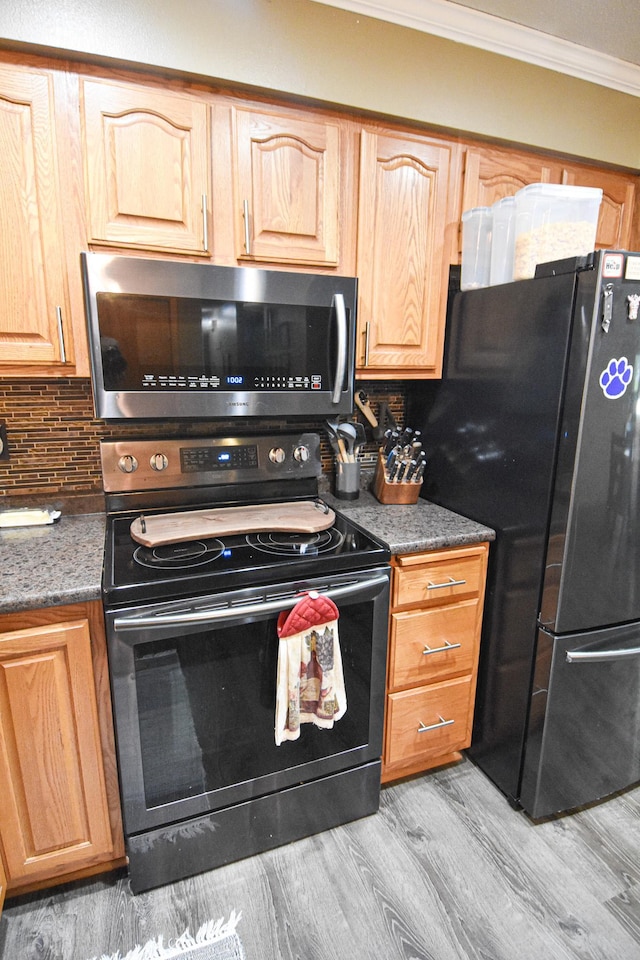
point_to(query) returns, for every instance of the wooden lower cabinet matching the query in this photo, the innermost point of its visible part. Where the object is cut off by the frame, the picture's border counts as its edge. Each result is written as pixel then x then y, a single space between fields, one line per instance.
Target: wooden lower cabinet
pixel 436 616
pixel 60 814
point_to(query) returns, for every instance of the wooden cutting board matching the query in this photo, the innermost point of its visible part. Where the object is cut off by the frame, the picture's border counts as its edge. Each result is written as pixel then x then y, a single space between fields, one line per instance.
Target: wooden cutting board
pixel 164 528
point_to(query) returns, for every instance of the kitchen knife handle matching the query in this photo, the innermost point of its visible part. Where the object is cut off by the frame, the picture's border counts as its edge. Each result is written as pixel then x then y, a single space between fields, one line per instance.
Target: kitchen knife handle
pixel 365 410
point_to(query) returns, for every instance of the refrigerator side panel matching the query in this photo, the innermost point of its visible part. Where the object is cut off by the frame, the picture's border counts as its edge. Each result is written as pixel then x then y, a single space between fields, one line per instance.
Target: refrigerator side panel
pixel 491 441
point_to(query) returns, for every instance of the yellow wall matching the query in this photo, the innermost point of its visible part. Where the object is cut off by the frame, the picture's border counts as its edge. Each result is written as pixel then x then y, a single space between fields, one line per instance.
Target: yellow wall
pixel 319 52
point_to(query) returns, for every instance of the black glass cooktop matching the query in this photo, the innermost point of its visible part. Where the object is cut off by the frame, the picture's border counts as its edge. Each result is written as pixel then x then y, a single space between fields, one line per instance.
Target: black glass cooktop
pixel 134 573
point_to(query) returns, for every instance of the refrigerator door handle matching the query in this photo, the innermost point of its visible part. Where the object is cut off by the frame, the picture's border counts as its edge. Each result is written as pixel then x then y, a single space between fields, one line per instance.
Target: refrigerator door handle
pixel 595 656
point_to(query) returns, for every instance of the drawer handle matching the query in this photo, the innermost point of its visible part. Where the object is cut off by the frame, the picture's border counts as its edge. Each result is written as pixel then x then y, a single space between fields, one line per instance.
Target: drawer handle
pixel 447 646
pixel 448 583
pixel 435 726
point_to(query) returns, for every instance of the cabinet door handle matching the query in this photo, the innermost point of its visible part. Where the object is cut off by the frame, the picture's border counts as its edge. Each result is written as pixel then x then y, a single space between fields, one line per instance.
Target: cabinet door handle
pixel 435 726
pixel 447 646
pixel 63 352
pixel 367 328
pixel 205 223
pixel 447 583
pixel 247 237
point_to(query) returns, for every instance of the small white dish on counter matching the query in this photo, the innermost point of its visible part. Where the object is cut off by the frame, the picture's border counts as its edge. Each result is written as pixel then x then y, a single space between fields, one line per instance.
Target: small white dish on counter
pixel 28 517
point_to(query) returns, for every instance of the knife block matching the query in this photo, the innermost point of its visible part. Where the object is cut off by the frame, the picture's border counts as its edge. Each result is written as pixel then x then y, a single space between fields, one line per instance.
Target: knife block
pixel 387 492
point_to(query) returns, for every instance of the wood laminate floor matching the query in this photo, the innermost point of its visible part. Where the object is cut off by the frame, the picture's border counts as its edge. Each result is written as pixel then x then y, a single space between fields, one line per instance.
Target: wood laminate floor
pixel 447 870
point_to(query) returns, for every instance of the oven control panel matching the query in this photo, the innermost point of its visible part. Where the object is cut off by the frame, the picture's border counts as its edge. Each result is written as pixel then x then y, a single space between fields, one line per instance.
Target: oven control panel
pixel 132 465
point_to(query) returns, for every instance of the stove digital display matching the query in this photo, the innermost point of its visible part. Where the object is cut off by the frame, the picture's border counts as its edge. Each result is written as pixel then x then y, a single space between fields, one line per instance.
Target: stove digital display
pixel 208 459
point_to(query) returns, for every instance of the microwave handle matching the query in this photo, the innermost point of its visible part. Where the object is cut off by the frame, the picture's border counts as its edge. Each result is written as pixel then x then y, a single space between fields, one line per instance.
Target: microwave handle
pixel 341 359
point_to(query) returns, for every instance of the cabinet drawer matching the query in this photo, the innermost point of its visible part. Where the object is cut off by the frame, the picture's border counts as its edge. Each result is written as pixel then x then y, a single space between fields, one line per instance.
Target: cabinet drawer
pixel 433 644
pixel 429 721
pixel 438 581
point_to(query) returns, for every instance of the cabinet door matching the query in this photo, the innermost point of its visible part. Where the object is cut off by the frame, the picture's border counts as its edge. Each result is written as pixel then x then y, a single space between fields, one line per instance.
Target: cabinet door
pixel 406 204
pixel 287 192
pixel 615 219
pixel 147 162
pixel 34 305
pixel 54 816
pixel 490 174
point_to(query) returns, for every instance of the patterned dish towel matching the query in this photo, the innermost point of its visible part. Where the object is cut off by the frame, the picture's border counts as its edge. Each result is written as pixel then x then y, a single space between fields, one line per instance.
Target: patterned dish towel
pixel 310 684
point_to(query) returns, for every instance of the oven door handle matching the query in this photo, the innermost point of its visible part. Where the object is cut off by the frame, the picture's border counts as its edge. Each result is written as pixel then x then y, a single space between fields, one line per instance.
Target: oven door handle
pixel 341 359
pixel 249 609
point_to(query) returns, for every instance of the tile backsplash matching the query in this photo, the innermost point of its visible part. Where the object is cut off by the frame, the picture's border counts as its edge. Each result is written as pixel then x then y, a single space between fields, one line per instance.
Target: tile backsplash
pixel 53 438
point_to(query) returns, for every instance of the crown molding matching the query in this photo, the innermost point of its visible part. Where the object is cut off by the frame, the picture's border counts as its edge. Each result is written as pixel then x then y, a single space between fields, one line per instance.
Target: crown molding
pixel 452 21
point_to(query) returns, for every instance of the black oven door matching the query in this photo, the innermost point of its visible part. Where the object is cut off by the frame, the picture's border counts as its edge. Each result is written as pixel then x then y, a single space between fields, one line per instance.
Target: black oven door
pixel 194 694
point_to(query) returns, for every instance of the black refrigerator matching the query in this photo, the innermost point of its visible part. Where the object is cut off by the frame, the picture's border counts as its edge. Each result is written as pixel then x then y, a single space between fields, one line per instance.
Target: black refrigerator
pixel 534 430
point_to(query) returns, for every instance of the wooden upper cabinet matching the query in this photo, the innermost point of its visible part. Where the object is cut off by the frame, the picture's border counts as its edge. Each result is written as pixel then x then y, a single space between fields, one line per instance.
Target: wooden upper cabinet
pixel 147 167
pixel 615 219
pixel 491 174
pixel 54 815
pixel 35 323
pixel 288 185
pixel 407 206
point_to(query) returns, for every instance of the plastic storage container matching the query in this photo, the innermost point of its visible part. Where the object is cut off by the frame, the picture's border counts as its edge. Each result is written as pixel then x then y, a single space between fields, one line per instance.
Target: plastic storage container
pixel 553 221
pixel 476 248
pixel 502 240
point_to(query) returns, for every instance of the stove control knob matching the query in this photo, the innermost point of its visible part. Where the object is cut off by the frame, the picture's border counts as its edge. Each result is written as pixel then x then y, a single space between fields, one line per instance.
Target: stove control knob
pixel 301 454
pixel 159 462
pixel 277 455
pixel 128 463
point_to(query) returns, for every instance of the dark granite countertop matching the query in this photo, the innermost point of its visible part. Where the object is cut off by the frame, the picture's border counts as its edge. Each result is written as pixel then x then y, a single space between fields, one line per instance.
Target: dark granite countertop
pixel 50 565
pixel 62 562
pixel 411 528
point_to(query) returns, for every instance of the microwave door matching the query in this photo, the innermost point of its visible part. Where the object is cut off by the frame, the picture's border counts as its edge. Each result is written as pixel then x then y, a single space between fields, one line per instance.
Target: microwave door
pixel 182 340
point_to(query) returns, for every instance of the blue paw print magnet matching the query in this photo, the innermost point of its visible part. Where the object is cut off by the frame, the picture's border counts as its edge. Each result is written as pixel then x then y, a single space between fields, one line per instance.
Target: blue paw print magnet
pixel 616 377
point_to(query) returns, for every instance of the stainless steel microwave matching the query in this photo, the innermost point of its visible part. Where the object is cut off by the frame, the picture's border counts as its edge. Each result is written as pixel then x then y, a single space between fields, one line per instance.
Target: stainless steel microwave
pixel 183 340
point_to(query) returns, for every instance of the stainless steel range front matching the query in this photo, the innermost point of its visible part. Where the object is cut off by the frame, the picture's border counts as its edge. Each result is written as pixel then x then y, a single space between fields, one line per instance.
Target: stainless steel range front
pixel 196 588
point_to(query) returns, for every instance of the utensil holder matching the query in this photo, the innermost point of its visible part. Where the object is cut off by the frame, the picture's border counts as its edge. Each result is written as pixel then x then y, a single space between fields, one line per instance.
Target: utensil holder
pixel 394 492
pixel 347 480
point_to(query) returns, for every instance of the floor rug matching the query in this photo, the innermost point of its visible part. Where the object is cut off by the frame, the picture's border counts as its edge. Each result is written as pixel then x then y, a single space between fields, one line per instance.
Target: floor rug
pixel 215 940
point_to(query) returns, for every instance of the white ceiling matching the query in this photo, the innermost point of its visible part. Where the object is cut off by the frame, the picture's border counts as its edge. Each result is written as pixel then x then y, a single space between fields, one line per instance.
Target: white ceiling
pixel 607 26
pixel 595 40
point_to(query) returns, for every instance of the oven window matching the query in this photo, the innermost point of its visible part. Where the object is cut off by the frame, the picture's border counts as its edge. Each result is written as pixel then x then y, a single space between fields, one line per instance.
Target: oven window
pixel 206 707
